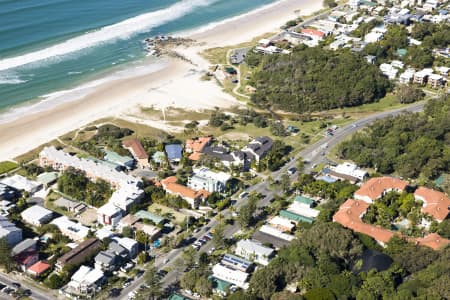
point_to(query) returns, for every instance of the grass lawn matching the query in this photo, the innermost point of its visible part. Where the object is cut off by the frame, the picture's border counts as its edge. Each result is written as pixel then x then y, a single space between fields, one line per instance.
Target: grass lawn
pixel 179 217
pixel 6 166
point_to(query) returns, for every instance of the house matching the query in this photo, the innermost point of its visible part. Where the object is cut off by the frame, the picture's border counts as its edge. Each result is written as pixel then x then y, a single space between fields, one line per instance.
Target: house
pixel 421 76
pixel 377 187
pixel 304 200
pixel 254 251
pixel 389 70
pixel 436 81
pixel 109 214
pixel 191 196
pixel 38 269
pixel 122 161
pixel 435 203
pixel 125 197
pixel 79 254
pixel 69 205
pixel 236 262
pixel 27 245
pixel 159 157
pixel 272 231
pixel 373 37
pixel 313 33
pixel 106 261
pixel 303 210
pixel 137 150
pixel 282 224
pixel 36 215
pixel 258 148
pixel 73 230
pixel 295 218
pixel 407 76
pixel 103 233
pixel 118 250
pixel 8 193
pixel 208 180
pixel 47 178
pixel 174 152
pixel 9 231
pixel 433 241
pixel 347 171
pixel 228 274
pixel 198 144
pixel 227 158
pixel 21 183
pixel 151 231
pixel 129 244
pixel 25 254
pixel 86 279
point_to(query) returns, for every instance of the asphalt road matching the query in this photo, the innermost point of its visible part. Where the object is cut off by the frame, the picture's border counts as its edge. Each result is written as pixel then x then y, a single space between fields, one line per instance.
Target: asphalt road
pixel 37 294
pixel 315 154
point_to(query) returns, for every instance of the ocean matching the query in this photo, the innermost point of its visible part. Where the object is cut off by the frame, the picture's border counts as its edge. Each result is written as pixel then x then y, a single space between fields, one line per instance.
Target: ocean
pixel 49 48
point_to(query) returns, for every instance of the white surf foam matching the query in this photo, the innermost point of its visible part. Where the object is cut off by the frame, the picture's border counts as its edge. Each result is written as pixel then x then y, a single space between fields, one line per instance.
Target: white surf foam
pixel 8 78
pixel 109 33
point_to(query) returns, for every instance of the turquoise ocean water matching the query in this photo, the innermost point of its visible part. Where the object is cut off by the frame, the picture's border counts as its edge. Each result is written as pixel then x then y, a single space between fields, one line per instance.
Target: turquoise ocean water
pixel 48 47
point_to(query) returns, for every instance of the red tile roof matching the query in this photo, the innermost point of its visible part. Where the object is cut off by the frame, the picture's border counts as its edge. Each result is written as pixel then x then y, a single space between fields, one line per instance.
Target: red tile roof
pixel 349 215
pixel 195 156
pixel 435 204
pixel 375 187
pixel 135 147
pixel 313 32
pixel 39 267
pixel 433 240
pixel 171 186
pixel 197 145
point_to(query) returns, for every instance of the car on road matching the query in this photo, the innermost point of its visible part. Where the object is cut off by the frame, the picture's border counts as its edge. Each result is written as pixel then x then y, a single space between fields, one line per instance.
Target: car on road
pixel 162 273
pixel 291 171
pixel 206 238
pixel 16 285
pixel 243 195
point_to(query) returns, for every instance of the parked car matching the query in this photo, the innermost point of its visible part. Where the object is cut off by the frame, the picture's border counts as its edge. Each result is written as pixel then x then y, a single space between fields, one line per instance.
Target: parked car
pixel 291 171
pixel 243 195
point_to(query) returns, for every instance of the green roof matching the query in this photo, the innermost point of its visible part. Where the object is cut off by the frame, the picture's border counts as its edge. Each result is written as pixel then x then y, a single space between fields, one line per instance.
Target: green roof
pixel 159 157
pixel 103 162
pixel 304 200
pixel 114 157
pixel 149 216
pixel 175 296
pixel 47 177
pixel 220 284
pixel 295 217
pixel 369 3
pixel 401 52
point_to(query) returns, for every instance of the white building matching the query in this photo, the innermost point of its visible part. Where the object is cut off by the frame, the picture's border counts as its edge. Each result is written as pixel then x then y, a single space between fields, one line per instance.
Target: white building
pixel 109 215
pixel 236 277
pixel 349 169
pixel 22 184
pixel 36 215
pixel 9 231
pixel 129 244
pixel 126 196
pixel 282 223
pixel 389 71
pixel 303 210
pixel 254 251
pixel 275 232
pixel 407 76
pixel 208 180
pixel 354 4
pixel 86 279
pixel 373 37
pixel 73 230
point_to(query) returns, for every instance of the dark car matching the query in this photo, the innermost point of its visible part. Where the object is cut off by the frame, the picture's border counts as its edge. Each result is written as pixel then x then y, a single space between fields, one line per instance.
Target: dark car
pixel 115 292
pixel 16 285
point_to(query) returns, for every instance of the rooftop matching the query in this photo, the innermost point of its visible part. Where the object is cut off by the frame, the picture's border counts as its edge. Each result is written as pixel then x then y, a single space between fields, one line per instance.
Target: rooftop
pixel 254 247
pixel 436 204
pixel 174 151
pixel 135 148
pixel 375 187
pixel 39 267
pixel 197 145
pixel 170 185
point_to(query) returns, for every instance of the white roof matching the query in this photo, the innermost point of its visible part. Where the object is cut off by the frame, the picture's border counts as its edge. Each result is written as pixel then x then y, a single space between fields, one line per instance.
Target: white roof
pixel 217 176
pixel 228 274
pixel 435 77
pixel 108 209
pixel 443 70
pixel 276 233
pixel 68 226
pixel 349 168
pixel 36 213
pixel 283 222
pixel 85 275
pixel 303 210
pixel 79 275
pixel 126 242
pixel 104 233
pixel 93 276
pixel 254 247
pixel 373 37
pixel 264 41
pixel 409 73
pixel 21 183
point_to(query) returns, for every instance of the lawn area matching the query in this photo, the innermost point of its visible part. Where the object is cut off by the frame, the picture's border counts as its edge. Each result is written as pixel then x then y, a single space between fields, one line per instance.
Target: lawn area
pixel 161 210
pixel 6 166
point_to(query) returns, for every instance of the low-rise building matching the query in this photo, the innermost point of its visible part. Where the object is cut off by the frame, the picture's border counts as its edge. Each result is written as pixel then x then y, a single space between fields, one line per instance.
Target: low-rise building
pixel 86 279
pixel 9 231
pixel 234 276
pixel 174 152
pixel 421 77
pixel 205 179
pixel 254 251
pixel 137 150
pixel 282 224
pixel 407 76
pixel 109 215
pixel 73 230
pixel 106 261
pixel 435 203
pixel 377 187
pixel 37 215
pixel 8 193
pixel 435 81
pixel 236 262
pixel 39 268
pixel 25 254
pixel 259 147
pixel 129 244
pixel 348 171
pixel 125 197
pixel 79 254
pixel 21 183
pixel 122 161
pixel 191 196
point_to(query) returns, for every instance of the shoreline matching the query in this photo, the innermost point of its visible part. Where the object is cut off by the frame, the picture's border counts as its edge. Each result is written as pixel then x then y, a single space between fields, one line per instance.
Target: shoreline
pixel 177 85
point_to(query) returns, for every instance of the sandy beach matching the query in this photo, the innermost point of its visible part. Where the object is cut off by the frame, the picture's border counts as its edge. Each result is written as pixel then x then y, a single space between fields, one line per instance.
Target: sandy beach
pixel 176 85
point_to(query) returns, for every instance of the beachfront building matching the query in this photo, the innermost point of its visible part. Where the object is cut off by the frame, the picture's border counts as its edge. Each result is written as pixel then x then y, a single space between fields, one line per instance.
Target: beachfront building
pixel 137 150
pixel 73 230
pixel 174 152
pixel 9 231
pixel 21 183
pixel 109 215
pixel 258 148
pixel 254 251
pixel 377 187
pixel 125 197
pixel 231 275
pixel 208 180
pixel 196 146
pixel 193 197
pixel 36 215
